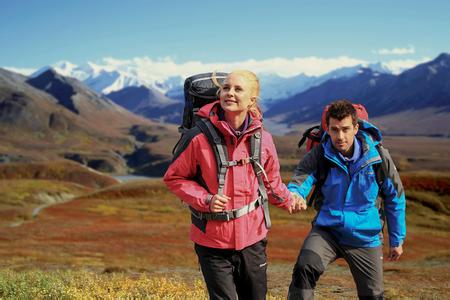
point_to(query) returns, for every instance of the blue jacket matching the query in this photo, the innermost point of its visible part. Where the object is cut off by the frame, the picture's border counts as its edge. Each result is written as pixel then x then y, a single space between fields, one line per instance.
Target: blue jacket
pixel 350 194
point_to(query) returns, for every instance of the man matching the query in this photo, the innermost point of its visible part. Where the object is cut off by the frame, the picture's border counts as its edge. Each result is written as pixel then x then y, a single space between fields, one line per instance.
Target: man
pixel 348 222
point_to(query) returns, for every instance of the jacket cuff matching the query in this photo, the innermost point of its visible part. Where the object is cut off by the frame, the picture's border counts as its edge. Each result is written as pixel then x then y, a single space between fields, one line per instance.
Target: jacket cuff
pixel 294 188
pixel 208 201
pixel 395 243
pixel 289 202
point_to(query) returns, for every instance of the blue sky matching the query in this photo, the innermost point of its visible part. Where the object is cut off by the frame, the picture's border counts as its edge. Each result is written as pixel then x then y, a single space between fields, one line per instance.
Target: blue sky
pixel 34 33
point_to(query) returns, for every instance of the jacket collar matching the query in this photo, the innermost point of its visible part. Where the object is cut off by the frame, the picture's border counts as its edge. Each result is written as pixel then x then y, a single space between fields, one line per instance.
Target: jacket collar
pixel 211 112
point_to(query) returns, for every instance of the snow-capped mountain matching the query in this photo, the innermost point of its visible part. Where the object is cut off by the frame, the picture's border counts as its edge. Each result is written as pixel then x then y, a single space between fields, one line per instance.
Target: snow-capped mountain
pixel 115 76
pixel 275 88
pixel 157 94
pixel 109 78
pixel 171 83
pixel 166 76
pixel 64 68
pixel 104 80
pixel 417 94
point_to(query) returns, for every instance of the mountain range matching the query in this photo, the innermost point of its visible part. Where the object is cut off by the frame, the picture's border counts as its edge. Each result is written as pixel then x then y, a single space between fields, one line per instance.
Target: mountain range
pixel 418 94
pixel 105 80
pixel 51 117
pixel 163 100
pixel 71 112
pixel 275 88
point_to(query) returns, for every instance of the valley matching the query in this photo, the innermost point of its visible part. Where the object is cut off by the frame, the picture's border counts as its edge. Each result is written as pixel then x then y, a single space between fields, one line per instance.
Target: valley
pixel 138 231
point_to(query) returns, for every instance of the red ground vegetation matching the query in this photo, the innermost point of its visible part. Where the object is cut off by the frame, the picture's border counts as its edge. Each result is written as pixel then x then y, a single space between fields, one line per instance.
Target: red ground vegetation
pixel 140 226
pixel 440 185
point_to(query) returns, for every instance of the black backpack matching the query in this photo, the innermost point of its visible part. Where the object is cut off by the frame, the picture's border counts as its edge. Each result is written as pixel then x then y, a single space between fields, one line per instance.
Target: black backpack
pixel 198 91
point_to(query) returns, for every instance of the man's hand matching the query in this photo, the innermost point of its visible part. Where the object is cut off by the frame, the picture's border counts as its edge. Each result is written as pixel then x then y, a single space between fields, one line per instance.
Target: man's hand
pixel 218 203
pixel 395 253
pixel 298 203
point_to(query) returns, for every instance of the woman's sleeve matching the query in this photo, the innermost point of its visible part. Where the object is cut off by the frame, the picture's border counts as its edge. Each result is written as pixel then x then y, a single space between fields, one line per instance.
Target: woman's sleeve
pixel 180 178
pixel 277 191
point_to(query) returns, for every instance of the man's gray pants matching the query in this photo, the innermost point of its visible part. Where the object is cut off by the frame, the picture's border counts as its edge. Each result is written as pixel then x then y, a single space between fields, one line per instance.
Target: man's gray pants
pixel 322 248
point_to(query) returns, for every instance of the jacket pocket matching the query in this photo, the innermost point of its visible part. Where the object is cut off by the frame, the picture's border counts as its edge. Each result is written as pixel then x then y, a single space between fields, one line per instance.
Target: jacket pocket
pixel 367 225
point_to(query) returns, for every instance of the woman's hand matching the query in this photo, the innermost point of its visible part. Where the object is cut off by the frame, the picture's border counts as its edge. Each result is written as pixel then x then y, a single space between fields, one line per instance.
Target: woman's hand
pixel 218 203
pixel 298 203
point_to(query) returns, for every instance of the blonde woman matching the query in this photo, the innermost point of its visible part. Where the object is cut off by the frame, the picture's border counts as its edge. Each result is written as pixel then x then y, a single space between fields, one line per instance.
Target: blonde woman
pixel 231 252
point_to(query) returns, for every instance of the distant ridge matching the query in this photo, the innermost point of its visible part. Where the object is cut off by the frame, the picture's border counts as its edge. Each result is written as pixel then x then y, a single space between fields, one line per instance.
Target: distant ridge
pixel 148 103
pixel 53 117
pixel 27 108
pixel 80 99
pixel 423 89
pixel 57 86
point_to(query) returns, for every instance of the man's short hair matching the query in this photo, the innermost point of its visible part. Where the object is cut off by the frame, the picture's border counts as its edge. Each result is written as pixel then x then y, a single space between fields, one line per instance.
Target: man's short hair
pixel 341 109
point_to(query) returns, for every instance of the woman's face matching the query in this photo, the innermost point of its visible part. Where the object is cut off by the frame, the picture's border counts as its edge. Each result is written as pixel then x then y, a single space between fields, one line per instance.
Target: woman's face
pixel 236 94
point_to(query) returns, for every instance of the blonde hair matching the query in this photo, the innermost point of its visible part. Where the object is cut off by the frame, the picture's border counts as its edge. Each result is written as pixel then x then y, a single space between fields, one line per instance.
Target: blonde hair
pixel 253 81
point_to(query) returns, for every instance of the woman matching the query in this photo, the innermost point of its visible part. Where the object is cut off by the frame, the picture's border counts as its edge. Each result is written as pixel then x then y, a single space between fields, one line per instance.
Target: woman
pixel 231 253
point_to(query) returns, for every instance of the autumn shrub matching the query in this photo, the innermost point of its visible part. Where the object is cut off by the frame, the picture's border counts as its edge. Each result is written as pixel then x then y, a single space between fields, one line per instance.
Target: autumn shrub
pixel 72 284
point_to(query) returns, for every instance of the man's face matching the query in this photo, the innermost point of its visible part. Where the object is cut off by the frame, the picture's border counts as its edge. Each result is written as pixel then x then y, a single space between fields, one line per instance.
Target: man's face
pixel 342 134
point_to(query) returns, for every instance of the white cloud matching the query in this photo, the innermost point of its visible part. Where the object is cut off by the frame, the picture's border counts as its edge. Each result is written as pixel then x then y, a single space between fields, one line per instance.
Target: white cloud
pixel 163 68
pixel 398 66
pixel 395 51
pixel 23 71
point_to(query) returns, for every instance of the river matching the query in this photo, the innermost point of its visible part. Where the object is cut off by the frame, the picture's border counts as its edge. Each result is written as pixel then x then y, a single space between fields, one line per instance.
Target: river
pixel 130 177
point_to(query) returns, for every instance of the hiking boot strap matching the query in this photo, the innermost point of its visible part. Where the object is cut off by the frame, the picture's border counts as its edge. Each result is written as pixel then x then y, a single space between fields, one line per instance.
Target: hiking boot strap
pixel 228 215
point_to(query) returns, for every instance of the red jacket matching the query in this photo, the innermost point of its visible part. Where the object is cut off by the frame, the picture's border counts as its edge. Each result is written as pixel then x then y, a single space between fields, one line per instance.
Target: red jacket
pixel 241 183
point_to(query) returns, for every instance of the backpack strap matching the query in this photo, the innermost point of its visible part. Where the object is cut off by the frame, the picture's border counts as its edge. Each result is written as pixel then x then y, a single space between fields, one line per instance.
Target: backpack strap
pixel 255 150
pixel 307 135
pixel 381 171
pixel 184 141
pixel 323 167
pixel 220 150
pixel 228 215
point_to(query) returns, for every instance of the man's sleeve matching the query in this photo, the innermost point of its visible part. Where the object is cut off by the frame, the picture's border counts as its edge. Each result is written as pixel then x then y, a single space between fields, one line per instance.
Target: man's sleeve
pixel 304 176
pixel 394 201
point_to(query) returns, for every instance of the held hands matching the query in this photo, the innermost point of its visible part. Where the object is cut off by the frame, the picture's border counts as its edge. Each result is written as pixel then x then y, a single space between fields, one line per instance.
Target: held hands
pixel 395 253
pixel 298 203
pixel 218 203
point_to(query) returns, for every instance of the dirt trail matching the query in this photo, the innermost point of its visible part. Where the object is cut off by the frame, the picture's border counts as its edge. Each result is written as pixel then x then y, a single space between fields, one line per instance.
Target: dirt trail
pixel 47 200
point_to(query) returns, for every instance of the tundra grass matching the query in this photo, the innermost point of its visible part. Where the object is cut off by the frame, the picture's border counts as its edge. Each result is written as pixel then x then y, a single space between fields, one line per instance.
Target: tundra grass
pixel 30 192
pixel 141 225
